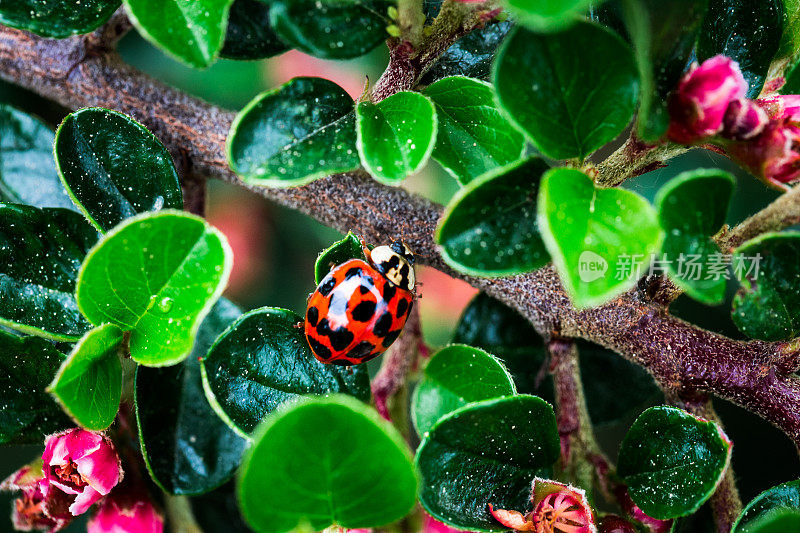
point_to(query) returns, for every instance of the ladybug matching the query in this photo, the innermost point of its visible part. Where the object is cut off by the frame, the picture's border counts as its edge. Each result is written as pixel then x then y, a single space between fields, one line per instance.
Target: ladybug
pixel 360 307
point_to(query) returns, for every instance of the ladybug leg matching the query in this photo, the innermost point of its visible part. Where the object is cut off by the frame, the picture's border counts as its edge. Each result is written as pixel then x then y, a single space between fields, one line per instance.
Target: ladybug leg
pixel 365 249
pixel 299 325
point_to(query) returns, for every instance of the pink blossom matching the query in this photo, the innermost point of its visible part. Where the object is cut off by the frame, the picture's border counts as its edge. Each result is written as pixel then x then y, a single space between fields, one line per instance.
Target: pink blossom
pixel 126 510
pixel 786 106
pixel 557 508
pixel 697 107
pixel 431 525
pixel 744 119
pixel 80 467
pixel 773 156
pixel 28 511
pixel 626 502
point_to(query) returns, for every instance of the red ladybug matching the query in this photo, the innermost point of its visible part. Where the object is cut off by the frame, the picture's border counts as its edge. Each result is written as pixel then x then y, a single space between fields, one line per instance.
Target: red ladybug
pixel 360 307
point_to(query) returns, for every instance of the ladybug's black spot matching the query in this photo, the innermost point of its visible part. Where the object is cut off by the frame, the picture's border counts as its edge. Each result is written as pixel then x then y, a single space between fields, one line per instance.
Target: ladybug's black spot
pixel 383 324
pixel 327 286
pixel 352 272
pixel 320 349
pixel 341 362
pixel 363 289
pixel 363 312
pixel 391 337
pixel 402 307
pixel 340 337
pixel 312 315
pixel 362 349
pixel 388 292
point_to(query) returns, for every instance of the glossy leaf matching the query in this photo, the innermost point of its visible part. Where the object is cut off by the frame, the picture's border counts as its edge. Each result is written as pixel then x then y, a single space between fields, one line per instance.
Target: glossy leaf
pixel 322 480
pixel 292 135
pixel 113 167
pixel 747 32
pixel 689 220
pixel 672 461
pixel 490 227
pixel 89 383
pixel 455 376
pixel 547 14
pixel 792 85
pixel 249 35
pixel 57 18
pixel 571 92
pixel 27 173
pixel 156 275
pixel 778 522
pixel 188 449
pixel 339 252
pixel 486 452
pixel 192 31
pixel 337 29
pixel 263 361
pixel 396 135
pixel 27 412
pixel 471 55
pixel 473 136
pixel 40 254
pixel 790 41
pixel 783 497
pixel 767 305
pixel 597 237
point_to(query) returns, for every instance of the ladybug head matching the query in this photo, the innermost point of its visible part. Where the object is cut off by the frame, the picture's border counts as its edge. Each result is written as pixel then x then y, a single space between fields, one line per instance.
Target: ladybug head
pixel 396 263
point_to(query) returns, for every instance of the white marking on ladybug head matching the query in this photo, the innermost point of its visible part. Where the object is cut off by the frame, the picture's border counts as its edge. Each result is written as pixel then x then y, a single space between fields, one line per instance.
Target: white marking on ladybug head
pixel 396 263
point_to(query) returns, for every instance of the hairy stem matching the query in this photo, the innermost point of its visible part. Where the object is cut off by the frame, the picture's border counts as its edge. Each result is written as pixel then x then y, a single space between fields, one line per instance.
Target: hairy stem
pixel 180 515
pixel 634 158
pixel 780 214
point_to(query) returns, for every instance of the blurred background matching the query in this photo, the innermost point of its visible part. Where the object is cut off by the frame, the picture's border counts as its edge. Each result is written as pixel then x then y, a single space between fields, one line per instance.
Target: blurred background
pixel 275 248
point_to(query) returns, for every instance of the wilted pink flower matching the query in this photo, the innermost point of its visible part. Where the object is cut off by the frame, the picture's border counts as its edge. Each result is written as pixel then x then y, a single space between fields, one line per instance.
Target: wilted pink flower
pixel 80 467
pixel 557 508
pixel 697 107
pixel 126 510
pixel 28 512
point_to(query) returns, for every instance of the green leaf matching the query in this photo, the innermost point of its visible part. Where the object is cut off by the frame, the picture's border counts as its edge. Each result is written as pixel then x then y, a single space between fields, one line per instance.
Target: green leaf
pixel 89 383
pixel 663 35
pixel 113 167
pixel 262 361
pixel 792 85
pixel 783 497
pixel 156 275
pixel 27 173
pixel 188 449
pixel 471 55
pixel 790 41
pixel 595 236
pixel 27 412
pixel 473 136
pixel 336 254
pixel 547 14
pixel 40 254
pixel 572 91
pixel 395 137
pixel 747 32
pixel 57 18
pixel 292 135
pixel 249 34
pixel 486 452
pixel 689 220
pixel 767 305
pixel 191 31
pixel 334 29
pixel 490 227
pixel 672 461
pixel 778 522
pixel 353 471
pixel 455 376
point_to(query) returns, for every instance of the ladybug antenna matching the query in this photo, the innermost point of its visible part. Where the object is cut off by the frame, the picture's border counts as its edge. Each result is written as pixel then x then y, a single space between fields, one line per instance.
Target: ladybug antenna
pixel 365 249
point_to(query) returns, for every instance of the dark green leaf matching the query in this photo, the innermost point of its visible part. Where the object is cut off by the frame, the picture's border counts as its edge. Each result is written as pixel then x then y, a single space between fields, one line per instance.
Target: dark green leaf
pixel 572 91
pixel 547 14
pixel 455 376
pixel 188 449
pixel 27 412
pixel 249 34
pixel 292 135
pixel 40 254
pixel 156 275
pixel 89 383
pixel 790 41
pixel 351 469
pixel 663 35
pixel 471 55
pixel 595 236
pixel 767 306
pixel 27 173
pixel 191 32
pixel 218 510
pixel 335 29
pixel 113 167
pixel 781 521
pixel 748 32
pixel 262 361
pixel 486 452
pixel 473 136
pixel 396 135
pixel 689 220
pixel 56 18
pixel 792 85
pixel 338 253
pixel 784 497
pixel 672 461
pixel 490 227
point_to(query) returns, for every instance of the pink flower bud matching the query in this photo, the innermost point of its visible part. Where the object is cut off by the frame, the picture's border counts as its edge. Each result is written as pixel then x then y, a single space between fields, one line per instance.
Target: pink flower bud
pixel 773 156
pixel 80 467
pixel 633 510
pixel 744 119
pixel 557 508
pixel 126 510
pixel 697 107
pixel 28 510
pixel 782 107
